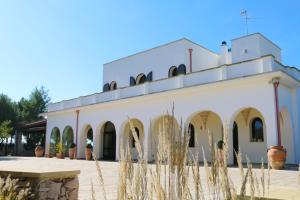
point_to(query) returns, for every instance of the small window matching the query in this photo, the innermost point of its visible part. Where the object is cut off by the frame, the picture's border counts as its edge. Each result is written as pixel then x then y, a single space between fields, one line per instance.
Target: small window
pixel 132 81
pixel 113 85
pixel 173 71
pixel 181 69
pixel 192 135
pixel 257 130
pixel 106 87
pixel 140 79
pixel 132 138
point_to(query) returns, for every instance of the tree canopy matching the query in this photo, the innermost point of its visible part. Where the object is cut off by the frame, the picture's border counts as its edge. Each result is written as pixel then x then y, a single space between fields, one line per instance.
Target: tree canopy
pixel 26 110
pixel 29 109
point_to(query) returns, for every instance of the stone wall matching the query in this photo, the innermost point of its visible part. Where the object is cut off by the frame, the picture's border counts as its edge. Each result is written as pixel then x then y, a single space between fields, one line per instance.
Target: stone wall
pixel 53 189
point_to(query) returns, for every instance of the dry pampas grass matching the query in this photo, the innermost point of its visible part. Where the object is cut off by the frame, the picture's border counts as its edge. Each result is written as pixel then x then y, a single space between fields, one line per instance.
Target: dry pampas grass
pixel 177 175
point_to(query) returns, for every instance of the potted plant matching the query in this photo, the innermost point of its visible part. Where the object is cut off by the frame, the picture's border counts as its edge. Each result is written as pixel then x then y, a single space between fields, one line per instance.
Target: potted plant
pixel 220 155
pixel 59 151
pixel 72 150
pixel 39 151
pixel 88 151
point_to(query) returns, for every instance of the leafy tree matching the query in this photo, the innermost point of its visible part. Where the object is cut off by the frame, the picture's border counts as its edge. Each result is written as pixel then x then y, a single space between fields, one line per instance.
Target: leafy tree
pixel 29 109
pixel 8 109
pixel 5 130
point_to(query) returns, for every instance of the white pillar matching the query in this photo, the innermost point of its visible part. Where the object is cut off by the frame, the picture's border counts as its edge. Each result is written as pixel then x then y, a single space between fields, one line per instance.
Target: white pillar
pixel 295 126
pixel 230 143
pixel 118 143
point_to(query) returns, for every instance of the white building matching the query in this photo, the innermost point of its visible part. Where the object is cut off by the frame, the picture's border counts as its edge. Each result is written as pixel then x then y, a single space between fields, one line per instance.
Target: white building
pixel 245 88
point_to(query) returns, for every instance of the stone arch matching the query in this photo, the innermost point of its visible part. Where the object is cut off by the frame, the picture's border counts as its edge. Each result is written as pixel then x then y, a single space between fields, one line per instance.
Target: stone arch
pixel 162 125
pixel 54 140
pixel 127 137
pixel 254 149
pixel 67 139
pixel 287 134
pixel 205 122
pixel 84 138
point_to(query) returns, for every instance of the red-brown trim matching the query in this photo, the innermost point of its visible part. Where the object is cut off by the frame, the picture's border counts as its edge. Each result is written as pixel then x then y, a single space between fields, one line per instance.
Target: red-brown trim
pixel 276 85
pixel 191 58
pixel 77 119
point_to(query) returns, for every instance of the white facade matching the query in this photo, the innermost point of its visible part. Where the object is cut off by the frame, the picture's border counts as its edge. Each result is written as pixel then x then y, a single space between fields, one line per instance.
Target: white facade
pixel 223 89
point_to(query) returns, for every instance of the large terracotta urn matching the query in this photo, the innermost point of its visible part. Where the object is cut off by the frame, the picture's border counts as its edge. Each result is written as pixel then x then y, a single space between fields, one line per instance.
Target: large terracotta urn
pixel 277 156
pixel 88 152
pixel 72 153
pixel 39 151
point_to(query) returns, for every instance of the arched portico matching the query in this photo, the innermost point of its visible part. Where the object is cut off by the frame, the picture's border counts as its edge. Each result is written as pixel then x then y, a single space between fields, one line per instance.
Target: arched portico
pixel 127 136
pixel 249 134
pixel 67 139
pixel 287 134
pixel 108 141
pixel 204 123
pixel 54 140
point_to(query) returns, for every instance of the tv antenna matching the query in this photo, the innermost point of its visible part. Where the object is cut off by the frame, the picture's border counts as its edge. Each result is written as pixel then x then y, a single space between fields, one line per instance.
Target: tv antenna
pixel 244 14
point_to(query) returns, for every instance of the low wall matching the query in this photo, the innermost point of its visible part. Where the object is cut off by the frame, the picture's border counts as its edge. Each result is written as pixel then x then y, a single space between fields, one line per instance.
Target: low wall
pixel 56 185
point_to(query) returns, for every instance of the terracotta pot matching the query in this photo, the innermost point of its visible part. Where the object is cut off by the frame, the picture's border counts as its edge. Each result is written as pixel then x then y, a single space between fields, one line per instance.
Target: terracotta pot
pixel 72 153
pixel 88 153
pixel 60 155
pixel 277 156
pixel 39 151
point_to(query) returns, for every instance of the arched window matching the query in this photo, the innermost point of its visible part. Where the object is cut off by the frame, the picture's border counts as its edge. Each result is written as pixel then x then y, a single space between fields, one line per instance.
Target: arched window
pixel 181 69
pixel 192 135
pixel 140 79
pixel 113 85
pixel 132 138
pixel 172 71
pixel 257 130
pixel 106 87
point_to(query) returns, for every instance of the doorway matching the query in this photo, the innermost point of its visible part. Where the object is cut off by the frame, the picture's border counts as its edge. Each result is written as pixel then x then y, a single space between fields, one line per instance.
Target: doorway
pixel 235 132
pixel 109 141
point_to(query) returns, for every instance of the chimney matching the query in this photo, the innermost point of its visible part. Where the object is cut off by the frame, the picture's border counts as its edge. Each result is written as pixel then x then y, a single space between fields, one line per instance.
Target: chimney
pixel 224 54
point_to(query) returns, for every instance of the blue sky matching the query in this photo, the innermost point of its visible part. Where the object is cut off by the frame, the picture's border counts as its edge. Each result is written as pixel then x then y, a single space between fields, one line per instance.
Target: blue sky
pixel 62 44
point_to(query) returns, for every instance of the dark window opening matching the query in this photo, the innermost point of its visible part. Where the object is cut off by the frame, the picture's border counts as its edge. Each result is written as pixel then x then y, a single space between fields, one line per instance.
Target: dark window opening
pixel 140 79
pixel 192 135
pixel 113 85
pixel 181 69
pixel 106 87
pixel 257 130
pixel 173 71
pixel 132 138
pixel 132 81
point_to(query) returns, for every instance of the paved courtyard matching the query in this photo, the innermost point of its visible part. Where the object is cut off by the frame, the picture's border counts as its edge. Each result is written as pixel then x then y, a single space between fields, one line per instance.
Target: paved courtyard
pixel 284 183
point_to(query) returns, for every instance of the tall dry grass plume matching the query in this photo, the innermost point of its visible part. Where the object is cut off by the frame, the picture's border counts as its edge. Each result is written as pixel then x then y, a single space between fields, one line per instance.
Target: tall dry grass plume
pixel 177 175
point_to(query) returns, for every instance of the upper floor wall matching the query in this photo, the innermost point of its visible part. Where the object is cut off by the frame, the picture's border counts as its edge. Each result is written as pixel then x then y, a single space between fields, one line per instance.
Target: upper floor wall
pixel 253 46
pixel 158 61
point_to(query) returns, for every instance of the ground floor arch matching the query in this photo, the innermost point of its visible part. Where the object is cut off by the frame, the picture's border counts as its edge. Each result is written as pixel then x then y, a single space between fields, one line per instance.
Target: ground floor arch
pixel 204 123
pixel 249 134
pixel 108 141
pixel 67 139
pixel 54 140
pixel 86 138
pixel 162 127
pixel 127 138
